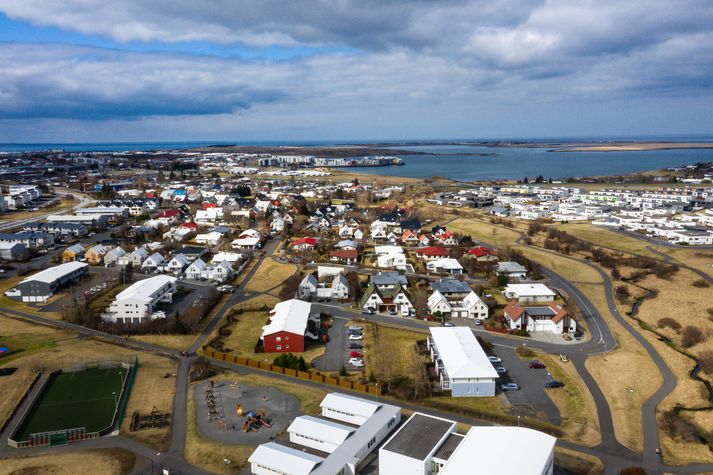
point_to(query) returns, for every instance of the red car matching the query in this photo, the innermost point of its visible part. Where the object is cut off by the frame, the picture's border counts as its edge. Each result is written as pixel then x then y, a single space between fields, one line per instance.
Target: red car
pixel 534 364
pixel 356 354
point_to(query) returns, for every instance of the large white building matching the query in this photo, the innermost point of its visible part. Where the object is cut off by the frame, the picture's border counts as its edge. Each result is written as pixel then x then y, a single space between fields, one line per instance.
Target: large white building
pixel 139 301
pixel 461 364
pixel 526 293
pixel 338 442
pixel 427 445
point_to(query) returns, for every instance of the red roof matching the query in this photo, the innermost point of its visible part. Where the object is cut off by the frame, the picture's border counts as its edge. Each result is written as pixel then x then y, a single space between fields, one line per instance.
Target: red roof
pixel 514 310
pixel 168 213
pixel 346 254
pixel 445 235
pixel 433 251
pixel 481 251
pixel 310 241
pixel 209 205
pixel 189 225
pixel 559 310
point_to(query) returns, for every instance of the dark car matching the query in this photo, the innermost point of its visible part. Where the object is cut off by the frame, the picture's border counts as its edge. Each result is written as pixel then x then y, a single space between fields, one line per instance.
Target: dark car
pixel 367 311
pixel 509 387
pixel 355 346
pixel 554 384
pixel 534 364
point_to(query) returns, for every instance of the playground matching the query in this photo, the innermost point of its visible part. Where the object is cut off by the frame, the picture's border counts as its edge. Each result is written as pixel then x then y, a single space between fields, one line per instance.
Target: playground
pixel 74 405
pixel 236 413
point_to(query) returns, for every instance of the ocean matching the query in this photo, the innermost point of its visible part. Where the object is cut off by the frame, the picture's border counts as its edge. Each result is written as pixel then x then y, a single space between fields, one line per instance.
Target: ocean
pixel 461 162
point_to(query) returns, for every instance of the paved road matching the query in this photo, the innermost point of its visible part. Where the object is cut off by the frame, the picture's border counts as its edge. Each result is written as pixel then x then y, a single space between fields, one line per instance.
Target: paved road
pixel 610 451
pixel 82 201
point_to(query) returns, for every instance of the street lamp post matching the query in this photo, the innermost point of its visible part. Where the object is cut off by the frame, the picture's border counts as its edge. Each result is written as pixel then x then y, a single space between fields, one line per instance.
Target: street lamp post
pixel 115 401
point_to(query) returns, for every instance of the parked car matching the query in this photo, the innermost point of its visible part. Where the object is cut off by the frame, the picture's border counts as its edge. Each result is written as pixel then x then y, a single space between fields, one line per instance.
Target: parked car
pixel 535 364
pixel 225 288
pixel 564 358
pixel 478 322
pixel 393 312
pixel 355 337
pixel 355 328
pixel 356 362
pixel 501 369
pixel 355 346
pixel 494 359
pixel 554 384
pixel 356 354
pixel 367 311
pixel 448 324
pixel 509 387
pixel 355 332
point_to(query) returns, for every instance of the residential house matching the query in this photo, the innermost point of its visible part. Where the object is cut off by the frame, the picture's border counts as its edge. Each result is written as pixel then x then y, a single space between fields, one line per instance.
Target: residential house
pixel 344 256
pixel 112 256
pixel 177 264
pixel 552 318
pixel 455 299
pixel 394 300
pixel 12 251
pixel 432 253
pixel 212 238
pixel 135 257
pixel 483 254
pixel 153 262
pixel 303 244
pixel 512 270
pixel 333 287
pixel 529 293
pixel 95 254
pixel 445 265
pixel 447 238
pixel 41 286
pixel 139 302
pixel 74 252
pixel 289 323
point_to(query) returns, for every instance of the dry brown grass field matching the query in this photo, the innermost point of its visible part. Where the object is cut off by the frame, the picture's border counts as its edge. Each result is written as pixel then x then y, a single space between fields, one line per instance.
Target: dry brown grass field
pixel 97 461
pixel 269 275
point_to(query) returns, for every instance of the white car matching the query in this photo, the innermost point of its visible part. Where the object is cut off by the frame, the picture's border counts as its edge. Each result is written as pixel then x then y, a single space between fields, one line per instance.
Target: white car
pixel 355 328
pixel 356 362
pixel 495 359
pixel 355 337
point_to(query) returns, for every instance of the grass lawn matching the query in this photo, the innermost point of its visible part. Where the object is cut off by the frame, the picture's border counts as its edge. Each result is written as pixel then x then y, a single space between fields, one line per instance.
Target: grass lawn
pixel 85 398
pixel 270 274
pixel 176 342
pixel 16 215
pixel 483 231
pixel 604 236
pixel 578 462
pixel 114 461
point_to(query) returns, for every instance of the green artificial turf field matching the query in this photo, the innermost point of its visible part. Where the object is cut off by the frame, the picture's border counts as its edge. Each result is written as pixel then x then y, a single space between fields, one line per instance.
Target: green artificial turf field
pixel 86 398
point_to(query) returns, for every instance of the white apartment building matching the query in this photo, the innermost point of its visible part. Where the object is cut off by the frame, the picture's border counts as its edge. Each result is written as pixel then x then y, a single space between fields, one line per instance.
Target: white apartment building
pixel 139 301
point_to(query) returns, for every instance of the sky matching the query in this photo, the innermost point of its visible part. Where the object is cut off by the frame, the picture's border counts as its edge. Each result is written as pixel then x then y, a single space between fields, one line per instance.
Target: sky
pixel 237 70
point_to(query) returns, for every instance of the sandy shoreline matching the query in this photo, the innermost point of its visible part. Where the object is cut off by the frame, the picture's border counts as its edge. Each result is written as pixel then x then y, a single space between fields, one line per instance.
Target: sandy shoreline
pixel 636 147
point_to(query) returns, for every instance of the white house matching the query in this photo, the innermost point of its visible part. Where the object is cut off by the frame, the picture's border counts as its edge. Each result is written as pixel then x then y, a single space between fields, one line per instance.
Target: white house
pixel 213 238
pixel 334 287
pixel 529 293
pixel 136 257
pixel 177 264
pixel 246 243
pixel 112 256
pixel 392 299
pixel 445 265
pixel 138 302
pixel 152 262
pixel 455 299
pixel 461 364
pixel 512 270
pixel 330 435
pixel 552 318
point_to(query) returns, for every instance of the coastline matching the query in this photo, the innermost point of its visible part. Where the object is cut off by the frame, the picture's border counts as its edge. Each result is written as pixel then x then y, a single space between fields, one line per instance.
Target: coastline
pixel 636 147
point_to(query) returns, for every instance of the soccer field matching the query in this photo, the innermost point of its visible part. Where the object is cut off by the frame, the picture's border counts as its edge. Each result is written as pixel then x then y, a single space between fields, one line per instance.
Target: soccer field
pixel 86 398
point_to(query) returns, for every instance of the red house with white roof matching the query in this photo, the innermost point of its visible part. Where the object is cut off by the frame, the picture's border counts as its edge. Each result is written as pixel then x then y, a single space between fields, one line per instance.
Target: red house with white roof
pixel 289 324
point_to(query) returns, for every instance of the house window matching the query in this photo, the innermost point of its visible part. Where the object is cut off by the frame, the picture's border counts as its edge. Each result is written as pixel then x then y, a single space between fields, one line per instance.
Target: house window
pixel 278 339
pixel 278 347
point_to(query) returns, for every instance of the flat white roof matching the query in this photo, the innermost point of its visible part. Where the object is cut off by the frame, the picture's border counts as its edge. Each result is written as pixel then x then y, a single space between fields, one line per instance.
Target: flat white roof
pixel 529 290
pixel 355 405
pixel 284 459
pixel 290 316
pixel 489 450
pixel 461 354
pixel 56 272
pixel 145 289
pixel 319 428
pixel 387 249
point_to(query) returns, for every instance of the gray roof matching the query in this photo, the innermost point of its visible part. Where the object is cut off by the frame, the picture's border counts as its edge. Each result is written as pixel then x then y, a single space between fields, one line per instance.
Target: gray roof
pixel 540 311
pixel 388 278
pixel 511 267
pixel 445 451
pixel 419 436
pixel 450 286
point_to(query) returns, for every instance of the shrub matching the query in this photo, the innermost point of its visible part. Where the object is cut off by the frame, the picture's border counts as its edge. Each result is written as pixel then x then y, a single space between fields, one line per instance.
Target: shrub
pixel 677 427
pixel 691 336
pixel 524 352
pixel 632 471
pixel 622 293
pixel 288 360
pixel 668 322
pixel 701 284
pixel 706 361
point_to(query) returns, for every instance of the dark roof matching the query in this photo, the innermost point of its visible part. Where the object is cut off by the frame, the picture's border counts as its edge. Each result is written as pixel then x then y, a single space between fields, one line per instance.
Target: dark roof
pixel 449 446
pixel 419 436
pixel 411 224
pixel 388 278
pixel 450 286
pixel 540 311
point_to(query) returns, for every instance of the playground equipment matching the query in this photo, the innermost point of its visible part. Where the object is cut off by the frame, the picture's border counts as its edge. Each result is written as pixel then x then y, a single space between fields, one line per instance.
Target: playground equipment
pixel 255 420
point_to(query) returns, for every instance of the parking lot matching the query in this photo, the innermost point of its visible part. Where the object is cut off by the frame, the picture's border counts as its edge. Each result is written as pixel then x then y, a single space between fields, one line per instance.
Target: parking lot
pixel 530 399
